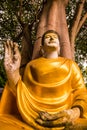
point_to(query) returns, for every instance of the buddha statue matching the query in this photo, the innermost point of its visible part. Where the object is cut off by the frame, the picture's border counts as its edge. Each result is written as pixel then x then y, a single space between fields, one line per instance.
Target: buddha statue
pixel 52 94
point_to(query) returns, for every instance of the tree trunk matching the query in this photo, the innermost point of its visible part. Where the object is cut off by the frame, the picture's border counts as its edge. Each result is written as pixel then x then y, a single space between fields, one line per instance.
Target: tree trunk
pixel 26 52
pixel 54 18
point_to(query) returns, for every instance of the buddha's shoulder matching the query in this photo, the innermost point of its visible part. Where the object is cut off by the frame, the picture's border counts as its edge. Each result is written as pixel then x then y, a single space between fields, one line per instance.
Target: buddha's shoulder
pixel 65 60
pixel 42 60
pixel 70 63
pixel 35 62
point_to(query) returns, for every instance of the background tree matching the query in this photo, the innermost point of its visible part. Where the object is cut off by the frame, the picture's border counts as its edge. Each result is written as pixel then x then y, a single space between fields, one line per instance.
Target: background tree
pixel 19 21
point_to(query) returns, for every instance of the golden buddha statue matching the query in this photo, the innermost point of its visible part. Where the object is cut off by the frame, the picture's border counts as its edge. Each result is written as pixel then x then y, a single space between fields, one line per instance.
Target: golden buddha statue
pixel 52 95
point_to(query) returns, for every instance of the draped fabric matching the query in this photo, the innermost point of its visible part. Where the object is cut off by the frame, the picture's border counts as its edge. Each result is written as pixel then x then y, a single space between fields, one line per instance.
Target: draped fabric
pixel 50 85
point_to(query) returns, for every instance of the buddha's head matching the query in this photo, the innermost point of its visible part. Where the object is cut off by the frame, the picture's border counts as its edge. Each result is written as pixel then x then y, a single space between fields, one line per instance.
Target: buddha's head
pixel 50 41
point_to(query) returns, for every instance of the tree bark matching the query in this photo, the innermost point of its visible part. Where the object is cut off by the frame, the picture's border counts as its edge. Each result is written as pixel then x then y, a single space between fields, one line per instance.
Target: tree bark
pixel 26 52
pixel 54 18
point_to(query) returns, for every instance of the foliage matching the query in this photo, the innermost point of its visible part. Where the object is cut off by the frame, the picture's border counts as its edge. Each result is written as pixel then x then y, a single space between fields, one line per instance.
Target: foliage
pixel 2 74
pixel 80 53
pixel 15 14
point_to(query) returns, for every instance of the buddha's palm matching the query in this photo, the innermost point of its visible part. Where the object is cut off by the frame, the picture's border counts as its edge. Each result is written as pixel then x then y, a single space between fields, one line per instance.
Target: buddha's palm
pixel 12 61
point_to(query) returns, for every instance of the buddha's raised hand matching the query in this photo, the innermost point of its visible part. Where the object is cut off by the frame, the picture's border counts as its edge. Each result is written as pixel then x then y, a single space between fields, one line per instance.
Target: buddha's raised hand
pixel 12 62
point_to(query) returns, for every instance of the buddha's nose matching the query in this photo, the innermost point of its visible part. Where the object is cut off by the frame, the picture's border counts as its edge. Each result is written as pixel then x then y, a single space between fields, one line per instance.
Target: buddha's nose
pixel 52 38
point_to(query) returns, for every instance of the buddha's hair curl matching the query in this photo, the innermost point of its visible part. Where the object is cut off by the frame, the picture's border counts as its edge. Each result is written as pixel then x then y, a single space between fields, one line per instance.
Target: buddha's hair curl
pixel 49 31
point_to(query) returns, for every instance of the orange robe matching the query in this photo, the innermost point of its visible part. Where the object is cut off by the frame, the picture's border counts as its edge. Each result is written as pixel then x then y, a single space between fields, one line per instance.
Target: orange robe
pixel 50 85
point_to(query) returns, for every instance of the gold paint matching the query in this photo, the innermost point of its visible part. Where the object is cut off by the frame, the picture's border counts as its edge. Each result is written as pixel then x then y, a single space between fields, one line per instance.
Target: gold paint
pixel 49 85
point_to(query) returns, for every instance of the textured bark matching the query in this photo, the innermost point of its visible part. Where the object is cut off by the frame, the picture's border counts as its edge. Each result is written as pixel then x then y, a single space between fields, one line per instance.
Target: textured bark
pixel 54 18
pixel 26 52
pixel 82 21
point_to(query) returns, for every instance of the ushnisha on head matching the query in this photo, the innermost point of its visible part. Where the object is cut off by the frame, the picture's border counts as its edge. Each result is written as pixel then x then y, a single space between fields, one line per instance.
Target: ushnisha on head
pixel 50 42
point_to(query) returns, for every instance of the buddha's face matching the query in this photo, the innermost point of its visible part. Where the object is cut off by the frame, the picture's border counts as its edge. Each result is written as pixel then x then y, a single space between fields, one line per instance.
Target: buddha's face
pixel 51 40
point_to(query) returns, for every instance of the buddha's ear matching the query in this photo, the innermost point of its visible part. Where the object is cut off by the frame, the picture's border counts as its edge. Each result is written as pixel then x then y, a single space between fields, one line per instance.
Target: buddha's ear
pixel 59 50
pixel 41 52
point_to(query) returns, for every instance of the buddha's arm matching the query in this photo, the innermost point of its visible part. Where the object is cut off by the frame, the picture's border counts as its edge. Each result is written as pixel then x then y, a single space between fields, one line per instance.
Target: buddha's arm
pixel 79 90
pixel 12 64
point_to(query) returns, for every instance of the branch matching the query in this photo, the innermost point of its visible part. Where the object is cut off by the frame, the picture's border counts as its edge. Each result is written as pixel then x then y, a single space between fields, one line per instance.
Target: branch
pixel 38 13
pixel 66 2
pixel 77 18
pixel 20 10
pixel 19 20
pixel 76 22
pixel 19 35
pixel 81 23
pixel 18 15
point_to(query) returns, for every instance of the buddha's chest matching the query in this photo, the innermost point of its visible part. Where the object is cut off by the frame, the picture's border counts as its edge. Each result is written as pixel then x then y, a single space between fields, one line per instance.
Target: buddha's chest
pixel 49 72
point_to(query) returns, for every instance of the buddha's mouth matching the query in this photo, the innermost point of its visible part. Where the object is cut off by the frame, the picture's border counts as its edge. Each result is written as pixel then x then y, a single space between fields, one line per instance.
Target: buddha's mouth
pixel 51 42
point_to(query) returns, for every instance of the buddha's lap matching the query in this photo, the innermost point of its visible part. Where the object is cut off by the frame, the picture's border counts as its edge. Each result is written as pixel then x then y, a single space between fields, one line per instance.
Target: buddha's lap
pixel 11 123
pixel 8 122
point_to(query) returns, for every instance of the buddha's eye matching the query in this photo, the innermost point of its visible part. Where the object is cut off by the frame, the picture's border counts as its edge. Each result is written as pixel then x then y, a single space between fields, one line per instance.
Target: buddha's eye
pixel 47 36
pixel 55 36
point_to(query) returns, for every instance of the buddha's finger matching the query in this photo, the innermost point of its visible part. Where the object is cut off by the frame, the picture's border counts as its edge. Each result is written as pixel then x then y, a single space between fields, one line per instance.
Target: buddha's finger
pixel 16 52
pixel 56 123
pixel 46 116
pixel 8 43
pixel 6 50
pixel 15 46
pixel 44 123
